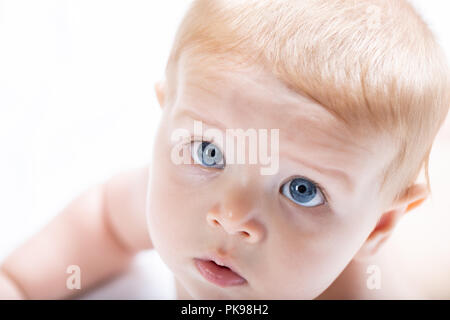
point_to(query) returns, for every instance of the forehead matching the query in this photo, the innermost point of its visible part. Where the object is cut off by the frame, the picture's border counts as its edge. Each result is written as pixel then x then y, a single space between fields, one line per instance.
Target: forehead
pixel 247 97
pixel 253 98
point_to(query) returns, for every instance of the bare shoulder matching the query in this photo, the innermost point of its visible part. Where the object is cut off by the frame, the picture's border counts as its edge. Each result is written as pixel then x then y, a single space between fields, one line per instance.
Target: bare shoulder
pixel 125 201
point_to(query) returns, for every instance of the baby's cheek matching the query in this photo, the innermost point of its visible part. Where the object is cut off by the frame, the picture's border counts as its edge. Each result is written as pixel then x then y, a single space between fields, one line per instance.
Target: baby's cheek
pixel 170 202
pixel 169 225
pixel 180 193
pixel 173 200
pixel 166 204
pixel 305 264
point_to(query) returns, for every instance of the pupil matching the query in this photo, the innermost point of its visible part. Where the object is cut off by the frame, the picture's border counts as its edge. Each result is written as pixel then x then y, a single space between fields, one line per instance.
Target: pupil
pixel 302 190
pixel 209 154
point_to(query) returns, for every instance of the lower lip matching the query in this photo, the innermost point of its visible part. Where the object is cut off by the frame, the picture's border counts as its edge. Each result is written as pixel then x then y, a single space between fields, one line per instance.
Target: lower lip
pixel 221 276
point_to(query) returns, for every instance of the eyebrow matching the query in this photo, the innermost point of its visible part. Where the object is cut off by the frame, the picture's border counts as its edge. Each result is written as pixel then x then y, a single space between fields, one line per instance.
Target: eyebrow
pixel 197 116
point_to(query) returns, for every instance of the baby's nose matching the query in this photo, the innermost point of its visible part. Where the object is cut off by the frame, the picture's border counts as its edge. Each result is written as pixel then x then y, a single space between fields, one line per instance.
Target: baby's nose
pixel 237 212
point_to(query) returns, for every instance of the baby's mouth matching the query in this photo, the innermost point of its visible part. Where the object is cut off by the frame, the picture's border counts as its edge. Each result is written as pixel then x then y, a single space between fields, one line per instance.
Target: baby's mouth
pixel 220 275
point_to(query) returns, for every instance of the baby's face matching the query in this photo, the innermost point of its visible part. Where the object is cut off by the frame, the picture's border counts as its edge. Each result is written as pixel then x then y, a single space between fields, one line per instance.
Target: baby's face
pixel 288 237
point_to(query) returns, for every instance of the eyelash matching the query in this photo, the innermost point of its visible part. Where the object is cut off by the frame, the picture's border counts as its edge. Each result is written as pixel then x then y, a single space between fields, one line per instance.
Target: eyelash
pixel 194 138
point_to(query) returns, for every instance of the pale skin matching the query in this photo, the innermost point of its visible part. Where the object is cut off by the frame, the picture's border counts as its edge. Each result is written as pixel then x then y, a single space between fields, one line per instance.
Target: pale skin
pixel 284 250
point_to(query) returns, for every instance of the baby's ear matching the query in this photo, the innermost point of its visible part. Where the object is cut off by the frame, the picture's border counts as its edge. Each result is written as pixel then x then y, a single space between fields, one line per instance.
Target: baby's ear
pixel 411 198
pixel 160 90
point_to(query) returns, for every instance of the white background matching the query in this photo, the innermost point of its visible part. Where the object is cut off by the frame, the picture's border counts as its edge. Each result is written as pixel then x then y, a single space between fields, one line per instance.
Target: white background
pixel 77 105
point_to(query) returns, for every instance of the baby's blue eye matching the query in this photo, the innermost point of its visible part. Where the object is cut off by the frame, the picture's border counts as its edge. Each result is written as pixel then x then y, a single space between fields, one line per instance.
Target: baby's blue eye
pixel 207 154
pixel 303 192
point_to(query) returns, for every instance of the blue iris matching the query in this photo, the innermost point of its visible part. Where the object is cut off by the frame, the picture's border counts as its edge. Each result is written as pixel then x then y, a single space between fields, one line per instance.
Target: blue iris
pixel 302 191
pixel 209 154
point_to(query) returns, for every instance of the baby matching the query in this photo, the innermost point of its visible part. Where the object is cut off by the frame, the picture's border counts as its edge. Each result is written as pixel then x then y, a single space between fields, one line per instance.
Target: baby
pixel 340 102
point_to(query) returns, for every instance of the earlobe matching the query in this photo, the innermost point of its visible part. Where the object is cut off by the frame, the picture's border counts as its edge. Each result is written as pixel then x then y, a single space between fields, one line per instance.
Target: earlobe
pixel 412 198
pixel 160 92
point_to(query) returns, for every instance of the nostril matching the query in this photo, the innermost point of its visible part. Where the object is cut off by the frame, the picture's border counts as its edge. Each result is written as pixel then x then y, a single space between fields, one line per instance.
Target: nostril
pixel 245 233
pixel 215 222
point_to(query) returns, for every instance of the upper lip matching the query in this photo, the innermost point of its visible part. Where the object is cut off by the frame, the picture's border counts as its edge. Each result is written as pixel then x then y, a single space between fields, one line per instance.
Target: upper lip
pixel 222 260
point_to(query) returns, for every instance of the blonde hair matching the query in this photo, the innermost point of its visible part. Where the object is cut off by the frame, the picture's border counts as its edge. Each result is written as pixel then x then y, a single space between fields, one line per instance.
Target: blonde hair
pixel 375 65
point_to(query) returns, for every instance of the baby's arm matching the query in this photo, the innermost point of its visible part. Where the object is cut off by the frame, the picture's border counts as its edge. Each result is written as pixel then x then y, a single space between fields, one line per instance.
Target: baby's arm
pixel 100 231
